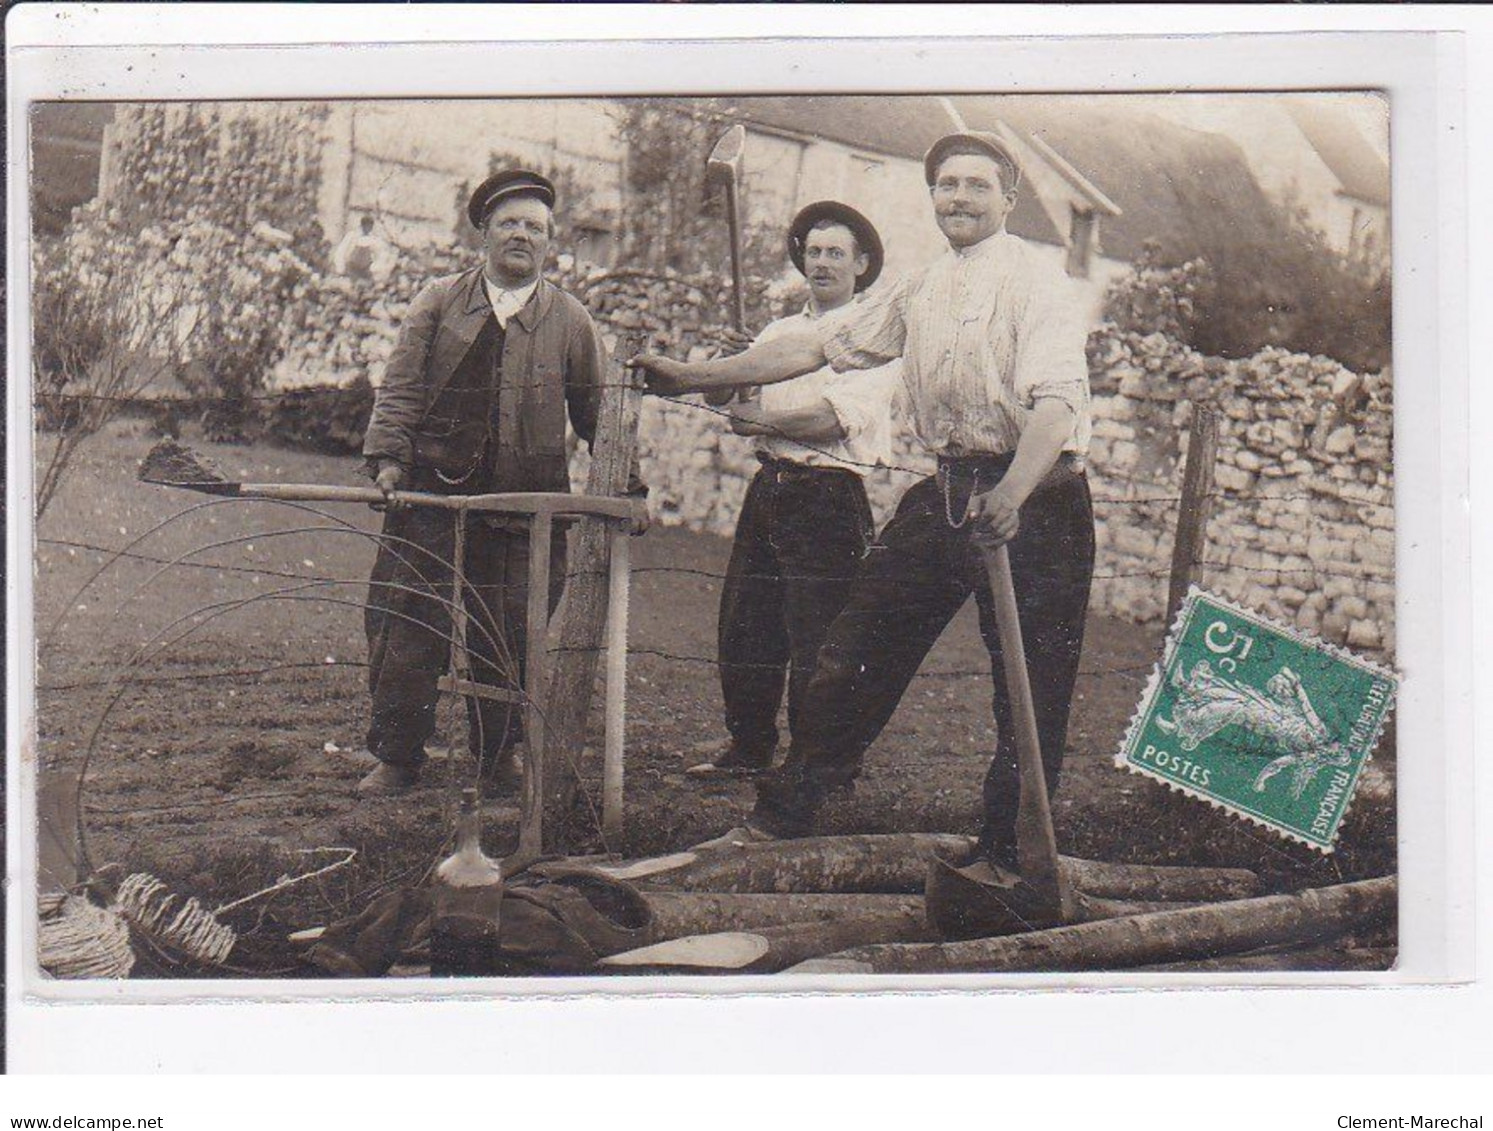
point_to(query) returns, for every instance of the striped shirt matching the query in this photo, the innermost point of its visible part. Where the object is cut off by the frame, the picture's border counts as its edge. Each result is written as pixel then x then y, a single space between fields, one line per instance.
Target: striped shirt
pixel 984 333
pixel 861 401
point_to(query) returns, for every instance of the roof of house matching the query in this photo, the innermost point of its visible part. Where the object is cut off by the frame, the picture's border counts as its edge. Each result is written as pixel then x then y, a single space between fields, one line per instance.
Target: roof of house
pixel 1154 171
pixel 1361 172
pixel 894 126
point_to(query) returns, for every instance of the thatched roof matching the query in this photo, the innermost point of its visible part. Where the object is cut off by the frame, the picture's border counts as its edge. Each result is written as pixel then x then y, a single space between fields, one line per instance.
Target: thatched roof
pixel 1361 172
pixel 1156 172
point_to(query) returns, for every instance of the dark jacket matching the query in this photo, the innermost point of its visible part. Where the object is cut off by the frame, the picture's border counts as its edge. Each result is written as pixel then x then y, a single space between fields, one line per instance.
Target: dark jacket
pixel 553 362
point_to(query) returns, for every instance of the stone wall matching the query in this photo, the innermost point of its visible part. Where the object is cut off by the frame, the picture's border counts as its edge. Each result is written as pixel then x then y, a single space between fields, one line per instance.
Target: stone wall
pixel 1303 524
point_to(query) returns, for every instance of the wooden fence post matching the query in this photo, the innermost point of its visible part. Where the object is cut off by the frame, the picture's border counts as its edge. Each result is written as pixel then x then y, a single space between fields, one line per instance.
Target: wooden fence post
pixel 1196 505
pixel 567 699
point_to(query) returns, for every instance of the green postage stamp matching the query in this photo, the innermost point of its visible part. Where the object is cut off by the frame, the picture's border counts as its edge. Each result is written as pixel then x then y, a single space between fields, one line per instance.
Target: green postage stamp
pixel 1262 720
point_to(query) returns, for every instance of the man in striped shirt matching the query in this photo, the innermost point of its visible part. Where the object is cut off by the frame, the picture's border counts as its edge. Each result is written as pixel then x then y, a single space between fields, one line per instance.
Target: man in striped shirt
pixel 805 522
pixel 993 356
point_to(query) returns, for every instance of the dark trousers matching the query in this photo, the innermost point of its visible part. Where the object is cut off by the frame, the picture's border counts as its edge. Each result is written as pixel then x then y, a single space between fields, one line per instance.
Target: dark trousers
pixel 799 541
pixel 916 577
pixel 409 625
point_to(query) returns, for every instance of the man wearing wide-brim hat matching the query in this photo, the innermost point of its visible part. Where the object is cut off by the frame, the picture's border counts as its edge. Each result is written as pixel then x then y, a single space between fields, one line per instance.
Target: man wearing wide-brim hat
pixel 489 365
pixel 993 355
pixel 805 522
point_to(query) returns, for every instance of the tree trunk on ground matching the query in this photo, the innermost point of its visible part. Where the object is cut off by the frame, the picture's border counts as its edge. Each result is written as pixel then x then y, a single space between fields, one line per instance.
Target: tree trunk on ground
pixel 891 862
pixel 898 862
pixel 1197 933
pixel 1298 958
pixel 1170 883
pixel 677 914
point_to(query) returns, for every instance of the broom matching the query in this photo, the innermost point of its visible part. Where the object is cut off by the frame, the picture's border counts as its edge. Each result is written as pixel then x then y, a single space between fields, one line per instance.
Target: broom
pixel 170 464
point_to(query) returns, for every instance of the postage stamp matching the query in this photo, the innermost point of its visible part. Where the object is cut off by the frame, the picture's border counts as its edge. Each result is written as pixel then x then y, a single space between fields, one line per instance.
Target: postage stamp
pixel 1260 719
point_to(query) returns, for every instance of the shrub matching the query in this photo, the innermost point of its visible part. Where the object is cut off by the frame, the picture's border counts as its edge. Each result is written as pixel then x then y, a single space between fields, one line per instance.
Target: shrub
pixel 1276 281
pixel 1156 298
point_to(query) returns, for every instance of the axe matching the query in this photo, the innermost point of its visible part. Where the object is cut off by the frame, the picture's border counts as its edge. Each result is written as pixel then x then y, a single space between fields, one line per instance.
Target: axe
pixel 723 173
pixel 1036 845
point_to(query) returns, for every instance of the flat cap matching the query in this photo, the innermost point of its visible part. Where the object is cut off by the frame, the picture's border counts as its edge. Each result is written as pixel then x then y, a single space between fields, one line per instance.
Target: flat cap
pixel 979 140
pixel 508 182
pixel 865 233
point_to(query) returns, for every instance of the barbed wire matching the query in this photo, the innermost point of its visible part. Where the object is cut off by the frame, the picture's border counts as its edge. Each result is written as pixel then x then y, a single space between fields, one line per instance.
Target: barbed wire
pixel 1345 570
pixel 1222 492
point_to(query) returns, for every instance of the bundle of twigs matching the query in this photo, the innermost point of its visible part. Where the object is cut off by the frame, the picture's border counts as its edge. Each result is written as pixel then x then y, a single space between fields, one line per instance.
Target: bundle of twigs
pixel 175 465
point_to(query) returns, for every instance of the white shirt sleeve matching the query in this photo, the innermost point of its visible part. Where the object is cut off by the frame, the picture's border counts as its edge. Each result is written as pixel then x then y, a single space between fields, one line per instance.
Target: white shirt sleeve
pixel 1051 360
pixel 862 402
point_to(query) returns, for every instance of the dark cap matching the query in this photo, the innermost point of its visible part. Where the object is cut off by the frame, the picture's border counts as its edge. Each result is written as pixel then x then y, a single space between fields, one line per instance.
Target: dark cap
pixel 986 143
pixel 835 212
pixel 510 182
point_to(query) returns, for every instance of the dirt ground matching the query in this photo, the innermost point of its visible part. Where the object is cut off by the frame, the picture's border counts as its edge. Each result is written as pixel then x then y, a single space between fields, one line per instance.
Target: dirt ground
pixel 219 784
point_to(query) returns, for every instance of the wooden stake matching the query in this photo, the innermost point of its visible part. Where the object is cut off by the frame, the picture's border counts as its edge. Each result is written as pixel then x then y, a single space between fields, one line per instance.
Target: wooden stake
pixel 1196 505
pixel 531 827
pixel 616 693
pixel 572 684
pixel 774 948
pixel 1141 940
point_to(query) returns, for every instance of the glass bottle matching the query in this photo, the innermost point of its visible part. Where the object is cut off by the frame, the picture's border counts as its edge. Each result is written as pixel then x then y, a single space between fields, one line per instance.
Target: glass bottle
pixel 466 896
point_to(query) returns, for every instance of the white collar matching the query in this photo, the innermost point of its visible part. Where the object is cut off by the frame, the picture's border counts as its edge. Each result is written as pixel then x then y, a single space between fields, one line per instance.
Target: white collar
pixel 985 247
pixel 507 301
pixel 810 312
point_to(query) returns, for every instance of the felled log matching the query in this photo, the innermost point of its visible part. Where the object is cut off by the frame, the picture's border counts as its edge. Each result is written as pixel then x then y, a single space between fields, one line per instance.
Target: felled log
pixel 794 923
pixel 890 862
pixel 980 900
pixel 772 948
pixel 1205 932
pixel 1298 958
pixel 898 862
pixel 1168 883
pixel 677 914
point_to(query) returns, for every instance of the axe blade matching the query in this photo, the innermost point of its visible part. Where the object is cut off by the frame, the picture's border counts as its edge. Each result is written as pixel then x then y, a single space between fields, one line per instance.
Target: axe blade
pixel 725 159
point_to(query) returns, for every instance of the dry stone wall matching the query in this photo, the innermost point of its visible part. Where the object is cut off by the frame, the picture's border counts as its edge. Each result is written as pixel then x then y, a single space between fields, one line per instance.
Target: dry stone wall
pixel 1303 521
pixel 1302 527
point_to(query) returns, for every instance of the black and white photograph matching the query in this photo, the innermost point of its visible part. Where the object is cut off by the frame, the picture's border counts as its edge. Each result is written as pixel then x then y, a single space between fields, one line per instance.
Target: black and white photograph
pixel 718 535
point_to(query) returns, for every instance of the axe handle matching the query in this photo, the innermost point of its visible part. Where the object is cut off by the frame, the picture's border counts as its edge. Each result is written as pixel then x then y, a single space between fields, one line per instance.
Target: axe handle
pixel 733 223
pixel 1036 844
pixel 738 293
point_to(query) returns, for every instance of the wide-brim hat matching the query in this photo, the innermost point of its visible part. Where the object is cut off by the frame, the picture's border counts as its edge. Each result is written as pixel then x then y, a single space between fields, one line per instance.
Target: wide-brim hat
pixel 500 186
pixel 978 139
pixel 865 233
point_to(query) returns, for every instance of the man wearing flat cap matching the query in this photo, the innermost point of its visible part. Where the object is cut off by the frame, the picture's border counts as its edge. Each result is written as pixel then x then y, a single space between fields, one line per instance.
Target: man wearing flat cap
pixel 805 522
pixel 489 365
pixel 993 356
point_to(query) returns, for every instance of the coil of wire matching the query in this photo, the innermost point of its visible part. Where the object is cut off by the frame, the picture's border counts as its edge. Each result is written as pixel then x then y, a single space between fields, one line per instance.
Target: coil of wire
pixel 173 923
pixel 77 939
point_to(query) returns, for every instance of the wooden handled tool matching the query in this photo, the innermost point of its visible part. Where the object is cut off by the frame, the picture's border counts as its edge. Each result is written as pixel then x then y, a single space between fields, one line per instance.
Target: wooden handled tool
pixel 723 172
pixel 1036 844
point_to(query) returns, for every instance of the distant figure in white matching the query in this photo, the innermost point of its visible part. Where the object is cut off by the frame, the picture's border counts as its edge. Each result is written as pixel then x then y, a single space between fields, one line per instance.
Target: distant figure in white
pixel 363 254
pixel 1282 715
